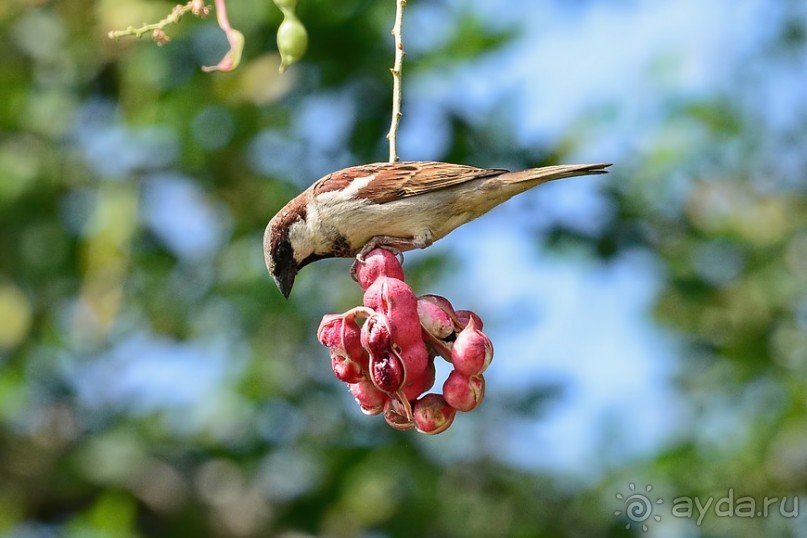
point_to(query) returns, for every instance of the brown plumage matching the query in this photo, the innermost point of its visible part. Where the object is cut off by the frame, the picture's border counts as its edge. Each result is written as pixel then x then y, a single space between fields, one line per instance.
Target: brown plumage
pixel 403 205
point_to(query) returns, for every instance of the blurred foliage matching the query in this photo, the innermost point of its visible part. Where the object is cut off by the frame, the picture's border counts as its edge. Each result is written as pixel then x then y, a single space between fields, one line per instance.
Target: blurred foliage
pixel 133 194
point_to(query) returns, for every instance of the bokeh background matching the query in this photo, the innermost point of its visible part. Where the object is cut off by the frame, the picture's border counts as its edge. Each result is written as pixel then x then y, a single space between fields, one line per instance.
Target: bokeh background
pixel 650 325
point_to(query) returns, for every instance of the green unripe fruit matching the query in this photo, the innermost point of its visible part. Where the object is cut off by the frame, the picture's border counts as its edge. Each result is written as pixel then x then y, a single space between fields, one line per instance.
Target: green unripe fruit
pixel 286 5
pixel 292 41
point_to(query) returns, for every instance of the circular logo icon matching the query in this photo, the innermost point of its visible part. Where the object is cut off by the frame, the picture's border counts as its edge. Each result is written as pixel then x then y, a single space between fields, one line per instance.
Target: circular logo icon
pixel 638 507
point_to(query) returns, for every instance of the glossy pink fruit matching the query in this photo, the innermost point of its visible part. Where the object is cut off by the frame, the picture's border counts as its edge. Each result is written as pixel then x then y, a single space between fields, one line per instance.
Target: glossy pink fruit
pixel 464 393
pixel 376 334
pixel 395 299
pixel 345 368
pixel 434 319
pixel 415 358
pixel 398 414
pixel 351 341
pixel 387 371
pixel 435 346
pixel 464 316
pixel 432 414
pixel 378 262
pixel 330 330
pixel 342 334
pixel 417 385
pixel 472 351
pixel 370 399
pixel 441 302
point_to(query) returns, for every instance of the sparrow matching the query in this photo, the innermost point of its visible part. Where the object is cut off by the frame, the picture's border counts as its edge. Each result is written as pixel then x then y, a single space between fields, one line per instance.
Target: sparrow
pixel 400 205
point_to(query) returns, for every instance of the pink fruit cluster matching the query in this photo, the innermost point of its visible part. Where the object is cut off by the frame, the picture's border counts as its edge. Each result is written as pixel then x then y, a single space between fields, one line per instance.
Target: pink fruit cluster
pixel 388 360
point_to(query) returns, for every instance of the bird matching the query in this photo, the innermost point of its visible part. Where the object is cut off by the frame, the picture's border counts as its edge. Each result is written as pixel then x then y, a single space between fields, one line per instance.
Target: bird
pixel 400 205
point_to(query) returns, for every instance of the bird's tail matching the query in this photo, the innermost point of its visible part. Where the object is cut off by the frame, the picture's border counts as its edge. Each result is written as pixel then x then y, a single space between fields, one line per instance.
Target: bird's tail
pixel 496 189
pixel 535 176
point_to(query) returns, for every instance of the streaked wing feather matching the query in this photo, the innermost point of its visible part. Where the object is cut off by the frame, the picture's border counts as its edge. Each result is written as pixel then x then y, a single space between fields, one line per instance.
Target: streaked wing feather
pixel 394 181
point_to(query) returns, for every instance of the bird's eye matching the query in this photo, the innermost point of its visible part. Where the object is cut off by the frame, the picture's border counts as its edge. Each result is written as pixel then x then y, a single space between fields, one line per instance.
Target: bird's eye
pixel 284 253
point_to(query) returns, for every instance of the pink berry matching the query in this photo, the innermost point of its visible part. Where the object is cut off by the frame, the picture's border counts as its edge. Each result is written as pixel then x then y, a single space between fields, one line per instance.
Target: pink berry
pixel 330 330
pixel 464 316
pixel 370 399
pixel 441 302
pixel 351 341
pixel 387 371
pixel 435 346
pixel 398 414
pixel 395 299
pixel 376 334
pixel 415 358
pixel 417 385
pixel 432 414
pixel 342 334
pixel 378 262
pixel 472 351
pixel 345 368
pixel 434 319
pixel 464 393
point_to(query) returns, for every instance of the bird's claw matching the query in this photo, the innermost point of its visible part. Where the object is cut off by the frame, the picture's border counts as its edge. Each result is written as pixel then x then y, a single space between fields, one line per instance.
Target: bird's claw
pixel 369 247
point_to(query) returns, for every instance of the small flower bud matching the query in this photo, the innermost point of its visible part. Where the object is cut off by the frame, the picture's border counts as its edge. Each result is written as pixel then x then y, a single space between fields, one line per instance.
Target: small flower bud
pixel 432 414
pixel 464 393
pixel 370 399
pixel 386 371
pixel 378 262
pixel 472 351
pixel 434 319
pixel 398 414
pixel 199 8
pixel 160 37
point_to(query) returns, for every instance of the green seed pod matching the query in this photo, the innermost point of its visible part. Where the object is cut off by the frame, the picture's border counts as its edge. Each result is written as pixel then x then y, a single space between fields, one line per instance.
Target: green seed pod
pixel 292 40
pixel 287 6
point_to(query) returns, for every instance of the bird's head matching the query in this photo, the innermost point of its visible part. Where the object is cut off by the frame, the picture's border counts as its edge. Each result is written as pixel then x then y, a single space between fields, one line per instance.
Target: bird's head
pixel 287 245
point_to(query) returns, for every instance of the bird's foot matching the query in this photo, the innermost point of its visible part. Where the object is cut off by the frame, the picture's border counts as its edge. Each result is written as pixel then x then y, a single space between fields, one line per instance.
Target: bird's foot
pixel 396 245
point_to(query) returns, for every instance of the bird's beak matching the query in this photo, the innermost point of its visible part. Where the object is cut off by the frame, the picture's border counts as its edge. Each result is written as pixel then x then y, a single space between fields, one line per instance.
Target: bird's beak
pixel 285 281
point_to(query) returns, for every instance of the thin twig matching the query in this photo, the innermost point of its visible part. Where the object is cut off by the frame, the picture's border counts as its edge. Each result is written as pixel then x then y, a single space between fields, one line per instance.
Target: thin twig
pixel 198 8
pixel 397 94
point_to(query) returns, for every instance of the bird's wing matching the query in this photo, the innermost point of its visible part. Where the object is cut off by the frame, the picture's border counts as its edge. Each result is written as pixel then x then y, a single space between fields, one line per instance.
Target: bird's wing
pixel 385 182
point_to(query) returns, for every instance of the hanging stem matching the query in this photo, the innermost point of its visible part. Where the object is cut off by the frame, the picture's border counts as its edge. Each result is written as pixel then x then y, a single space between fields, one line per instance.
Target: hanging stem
pixel 197 7
pixel 397 94
pixel 234 38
